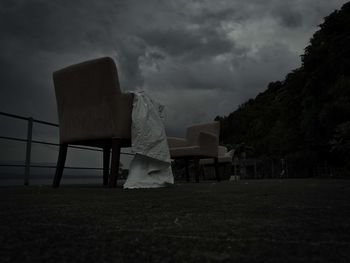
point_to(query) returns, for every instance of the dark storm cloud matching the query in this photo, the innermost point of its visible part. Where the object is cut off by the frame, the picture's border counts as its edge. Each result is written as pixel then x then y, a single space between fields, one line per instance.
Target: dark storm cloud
pixel 288 16
pixel 190 44
pixel 210 55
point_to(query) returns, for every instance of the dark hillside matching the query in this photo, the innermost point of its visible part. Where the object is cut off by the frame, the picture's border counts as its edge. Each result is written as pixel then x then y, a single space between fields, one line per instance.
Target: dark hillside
pixel 305 117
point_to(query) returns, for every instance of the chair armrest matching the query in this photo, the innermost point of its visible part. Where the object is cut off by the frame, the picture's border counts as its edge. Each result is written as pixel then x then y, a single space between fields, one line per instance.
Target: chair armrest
pixel 231 153
pixel 208 143
pixel 176 142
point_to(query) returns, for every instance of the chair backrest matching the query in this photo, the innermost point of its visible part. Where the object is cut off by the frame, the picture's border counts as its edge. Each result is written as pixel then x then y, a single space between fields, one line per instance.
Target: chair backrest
pixel 86 95
pixel 192 134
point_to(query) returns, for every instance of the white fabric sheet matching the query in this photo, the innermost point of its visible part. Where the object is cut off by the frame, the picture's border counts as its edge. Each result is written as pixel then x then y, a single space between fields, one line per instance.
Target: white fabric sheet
pixel 151 166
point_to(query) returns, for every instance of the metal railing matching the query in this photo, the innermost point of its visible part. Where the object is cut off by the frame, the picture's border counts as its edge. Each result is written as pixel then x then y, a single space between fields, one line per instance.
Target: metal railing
pixel 29 141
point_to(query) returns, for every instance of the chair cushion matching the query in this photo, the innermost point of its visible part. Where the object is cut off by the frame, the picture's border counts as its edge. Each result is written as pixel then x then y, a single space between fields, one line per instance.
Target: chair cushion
pixel 176 142
pixel 221 159
pixel 184 151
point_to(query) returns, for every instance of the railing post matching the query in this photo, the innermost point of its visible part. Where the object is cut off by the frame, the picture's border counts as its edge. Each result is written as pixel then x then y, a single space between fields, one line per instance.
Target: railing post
pixel 28 150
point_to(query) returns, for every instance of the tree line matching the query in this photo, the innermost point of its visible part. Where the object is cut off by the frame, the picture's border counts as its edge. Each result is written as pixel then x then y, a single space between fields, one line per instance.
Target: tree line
pixel 306 117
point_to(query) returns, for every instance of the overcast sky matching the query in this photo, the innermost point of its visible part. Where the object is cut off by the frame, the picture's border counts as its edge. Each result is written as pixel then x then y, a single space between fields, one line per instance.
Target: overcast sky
pixel 199 58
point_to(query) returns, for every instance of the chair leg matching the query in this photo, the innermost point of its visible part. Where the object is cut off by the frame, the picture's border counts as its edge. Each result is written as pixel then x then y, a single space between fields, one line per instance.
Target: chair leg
pixel 106 161
pixel 60 164
pixel 196 168
pixel 187 171
pixel 217 173
pixel 224 170
pixel 203 171
pixel 115 163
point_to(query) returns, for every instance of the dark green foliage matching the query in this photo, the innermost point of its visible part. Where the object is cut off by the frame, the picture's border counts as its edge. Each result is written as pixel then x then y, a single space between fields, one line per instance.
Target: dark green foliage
pixel 308 113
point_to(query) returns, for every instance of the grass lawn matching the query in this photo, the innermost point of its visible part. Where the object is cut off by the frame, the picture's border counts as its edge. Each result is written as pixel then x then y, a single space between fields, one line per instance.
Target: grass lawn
pixel 292 220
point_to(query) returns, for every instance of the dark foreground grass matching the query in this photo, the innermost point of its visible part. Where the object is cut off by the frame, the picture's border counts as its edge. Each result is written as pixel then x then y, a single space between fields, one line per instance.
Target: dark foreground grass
pixel 249 221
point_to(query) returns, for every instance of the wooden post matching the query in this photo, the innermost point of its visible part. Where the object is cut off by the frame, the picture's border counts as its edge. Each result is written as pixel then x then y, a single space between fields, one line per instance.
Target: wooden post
pixel 28 150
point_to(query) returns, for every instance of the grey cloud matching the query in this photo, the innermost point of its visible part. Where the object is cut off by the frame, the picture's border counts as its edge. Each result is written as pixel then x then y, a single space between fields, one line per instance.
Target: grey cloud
pixel 193 44
pixel 288 16
pixel 183 48
pixel 208 15
pixel 129 50
pixel 206 89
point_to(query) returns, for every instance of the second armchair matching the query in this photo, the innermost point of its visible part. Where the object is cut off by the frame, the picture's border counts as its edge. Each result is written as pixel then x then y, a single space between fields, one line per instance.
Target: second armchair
pixel 201 141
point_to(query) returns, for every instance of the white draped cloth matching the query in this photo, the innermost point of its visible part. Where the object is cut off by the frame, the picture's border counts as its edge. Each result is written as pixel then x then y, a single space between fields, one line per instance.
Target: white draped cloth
pixel 151 166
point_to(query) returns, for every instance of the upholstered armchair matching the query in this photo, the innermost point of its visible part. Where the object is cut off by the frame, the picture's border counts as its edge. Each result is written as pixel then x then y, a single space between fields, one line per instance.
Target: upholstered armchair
pixel 92 111
pixel 201 141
